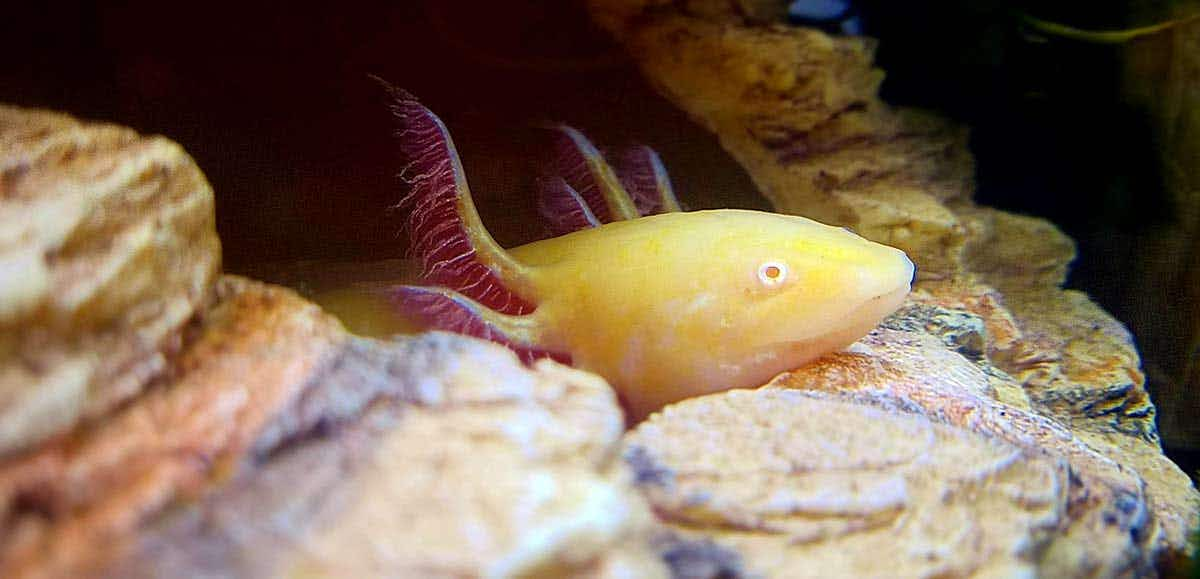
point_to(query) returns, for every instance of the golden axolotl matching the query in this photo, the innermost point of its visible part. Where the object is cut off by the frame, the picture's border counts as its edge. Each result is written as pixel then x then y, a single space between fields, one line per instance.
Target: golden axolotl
pixel 664 306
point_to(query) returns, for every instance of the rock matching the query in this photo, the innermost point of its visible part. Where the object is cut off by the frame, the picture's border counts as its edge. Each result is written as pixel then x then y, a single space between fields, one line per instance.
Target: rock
pixel 1016 252
pixel 220 426
pixel 898 458
pixel 281 445
pixel 961 393
pixel 848 486
pixel 823 145
pixel 996 425
pixel 107 248
pixel 800 111
pixel 1066 358
pixel 1075 361
pixel 68 501
pixel 460 462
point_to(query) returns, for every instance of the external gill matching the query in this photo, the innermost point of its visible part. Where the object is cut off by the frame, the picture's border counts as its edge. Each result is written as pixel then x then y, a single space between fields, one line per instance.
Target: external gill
pixel 445 309
pixel 584 190
pixel 448 237
pixel 484 290
pixel 643 175
pixel 584 169
pixel 563 209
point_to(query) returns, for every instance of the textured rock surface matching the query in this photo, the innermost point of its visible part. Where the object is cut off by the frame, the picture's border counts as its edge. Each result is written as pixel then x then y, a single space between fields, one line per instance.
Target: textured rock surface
pixel 815 493
pixel 996 426
pixel 800 111
pixel 899 457
pixel 463 464
pixel 296 449
pixel 963 393
pixel 66 502
pixel 107 248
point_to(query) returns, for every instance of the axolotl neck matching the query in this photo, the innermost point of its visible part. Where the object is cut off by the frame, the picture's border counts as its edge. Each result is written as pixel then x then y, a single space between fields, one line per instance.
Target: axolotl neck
pixel 679 304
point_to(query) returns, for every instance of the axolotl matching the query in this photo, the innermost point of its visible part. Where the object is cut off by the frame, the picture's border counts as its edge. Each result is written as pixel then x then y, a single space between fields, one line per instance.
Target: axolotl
pixel 665 306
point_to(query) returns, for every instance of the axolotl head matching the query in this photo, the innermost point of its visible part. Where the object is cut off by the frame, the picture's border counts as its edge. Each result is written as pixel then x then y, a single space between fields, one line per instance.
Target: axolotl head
pixel 807 289
pixel 745 295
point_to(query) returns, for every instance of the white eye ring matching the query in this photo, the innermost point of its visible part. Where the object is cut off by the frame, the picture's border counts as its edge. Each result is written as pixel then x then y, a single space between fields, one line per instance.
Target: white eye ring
pixel 772 273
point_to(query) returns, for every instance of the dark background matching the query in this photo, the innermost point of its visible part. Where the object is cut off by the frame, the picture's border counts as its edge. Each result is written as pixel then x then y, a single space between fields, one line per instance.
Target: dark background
pixel 278 110
pixel 276 106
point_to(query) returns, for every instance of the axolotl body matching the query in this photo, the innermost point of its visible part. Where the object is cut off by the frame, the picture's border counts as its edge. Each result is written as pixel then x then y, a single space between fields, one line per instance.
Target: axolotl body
pixel 664 306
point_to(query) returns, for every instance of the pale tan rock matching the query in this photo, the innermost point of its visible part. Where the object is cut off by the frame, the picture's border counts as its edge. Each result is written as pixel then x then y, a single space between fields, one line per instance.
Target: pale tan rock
pixel 799 111
pixel 970 322
pixel 916 388
pixel 1063 352
pixel 1110 530
pixel 1072 359
pixel 507 482
pixel 271 442
pixel 813 484
pixel 433 456
pixel 1076 362
pixel 107 247
pixel 1016 252
pixel 294 448
pixel 67 502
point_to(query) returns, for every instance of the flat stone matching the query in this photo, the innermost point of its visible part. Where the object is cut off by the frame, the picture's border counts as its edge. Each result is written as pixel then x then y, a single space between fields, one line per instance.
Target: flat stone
pixel 281 445
pixel 107 248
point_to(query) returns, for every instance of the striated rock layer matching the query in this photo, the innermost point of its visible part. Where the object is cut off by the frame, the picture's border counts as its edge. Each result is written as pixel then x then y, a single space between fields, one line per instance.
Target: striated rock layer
pixel 68 501
pixel 800 110
pixel 997 425
pixel 818 495
pixel 438 456
pixel 901 457
pixel 159 419
pixel 107 248
pixel 279 445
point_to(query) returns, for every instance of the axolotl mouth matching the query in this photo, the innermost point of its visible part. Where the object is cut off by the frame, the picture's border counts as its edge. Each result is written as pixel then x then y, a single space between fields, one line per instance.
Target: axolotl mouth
pixel 867 316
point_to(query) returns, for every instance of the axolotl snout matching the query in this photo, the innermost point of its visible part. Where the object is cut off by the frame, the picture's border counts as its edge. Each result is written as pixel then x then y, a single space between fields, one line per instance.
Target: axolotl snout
pixel 664 306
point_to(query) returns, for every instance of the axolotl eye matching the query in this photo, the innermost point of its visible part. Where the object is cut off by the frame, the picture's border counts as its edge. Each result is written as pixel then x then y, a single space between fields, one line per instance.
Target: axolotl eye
pixel 772 273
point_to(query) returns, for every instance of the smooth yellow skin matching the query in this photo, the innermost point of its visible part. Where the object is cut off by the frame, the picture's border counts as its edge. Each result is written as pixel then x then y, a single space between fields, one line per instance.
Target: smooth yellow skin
pixel 675 305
